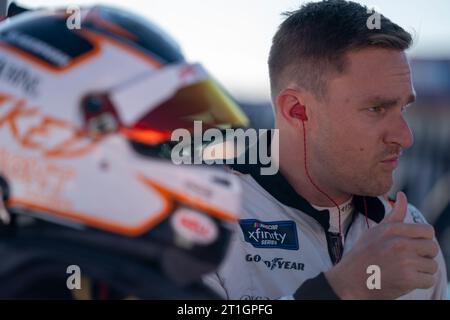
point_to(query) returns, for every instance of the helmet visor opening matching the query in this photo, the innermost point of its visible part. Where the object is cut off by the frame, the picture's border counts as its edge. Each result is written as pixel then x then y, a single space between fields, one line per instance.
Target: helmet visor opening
pixel 203 101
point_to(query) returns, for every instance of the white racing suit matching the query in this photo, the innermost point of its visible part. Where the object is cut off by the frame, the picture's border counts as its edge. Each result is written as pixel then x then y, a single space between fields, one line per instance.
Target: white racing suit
pixel 283 245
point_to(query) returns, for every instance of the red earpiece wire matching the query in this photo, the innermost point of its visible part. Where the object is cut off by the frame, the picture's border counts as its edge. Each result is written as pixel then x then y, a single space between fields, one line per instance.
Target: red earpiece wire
pixel 365 212
pixel 300 113
pixel 302 116
pixel 312 182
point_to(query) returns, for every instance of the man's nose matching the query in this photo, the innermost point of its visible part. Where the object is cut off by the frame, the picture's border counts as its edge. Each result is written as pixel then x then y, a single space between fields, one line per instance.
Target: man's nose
pixel 400 133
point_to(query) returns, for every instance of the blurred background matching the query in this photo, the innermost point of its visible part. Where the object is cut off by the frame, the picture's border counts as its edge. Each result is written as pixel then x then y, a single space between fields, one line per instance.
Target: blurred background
pixel 232 39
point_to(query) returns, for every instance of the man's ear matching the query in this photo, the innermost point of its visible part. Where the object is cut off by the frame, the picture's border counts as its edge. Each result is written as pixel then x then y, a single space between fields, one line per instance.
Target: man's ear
pixel 287 102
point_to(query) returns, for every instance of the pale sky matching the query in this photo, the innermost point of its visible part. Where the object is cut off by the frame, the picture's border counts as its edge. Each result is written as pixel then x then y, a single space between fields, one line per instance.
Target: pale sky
pixel 231 38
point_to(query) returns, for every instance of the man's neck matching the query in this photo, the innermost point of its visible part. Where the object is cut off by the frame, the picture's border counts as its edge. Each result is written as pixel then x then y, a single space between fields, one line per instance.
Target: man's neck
pixel 293 169
pixel 302 185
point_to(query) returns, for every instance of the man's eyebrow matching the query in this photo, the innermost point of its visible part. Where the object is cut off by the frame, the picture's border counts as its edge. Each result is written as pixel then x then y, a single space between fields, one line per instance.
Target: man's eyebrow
pixel 386 102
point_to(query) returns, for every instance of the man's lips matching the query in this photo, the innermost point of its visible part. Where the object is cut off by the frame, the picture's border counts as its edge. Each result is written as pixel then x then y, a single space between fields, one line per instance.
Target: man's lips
pixel 396 158
pixel 392 161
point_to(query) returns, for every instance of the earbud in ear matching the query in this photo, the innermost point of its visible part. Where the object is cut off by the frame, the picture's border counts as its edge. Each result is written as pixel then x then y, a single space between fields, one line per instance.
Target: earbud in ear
pixel 299 112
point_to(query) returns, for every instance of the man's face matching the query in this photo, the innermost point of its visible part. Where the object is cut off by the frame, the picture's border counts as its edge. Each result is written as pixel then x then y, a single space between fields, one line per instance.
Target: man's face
pixel 359 130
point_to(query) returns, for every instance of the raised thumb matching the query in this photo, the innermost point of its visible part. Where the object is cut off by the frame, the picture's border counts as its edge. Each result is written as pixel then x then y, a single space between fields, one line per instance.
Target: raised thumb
pixel 398 213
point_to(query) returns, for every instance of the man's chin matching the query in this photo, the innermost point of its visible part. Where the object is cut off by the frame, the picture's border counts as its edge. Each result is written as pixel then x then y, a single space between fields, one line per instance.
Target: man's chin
pixel 376 188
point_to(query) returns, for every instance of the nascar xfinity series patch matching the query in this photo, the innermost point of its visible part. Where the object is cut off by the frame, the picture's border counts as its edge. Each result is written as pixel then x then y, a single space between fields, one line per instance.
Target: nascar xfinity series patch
pixel 270 234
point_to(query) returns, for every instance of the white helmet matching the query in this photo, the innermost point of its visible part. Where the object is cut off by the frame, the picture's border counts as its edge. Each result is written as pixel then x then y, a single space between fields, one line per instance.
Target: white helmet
pixel 86 117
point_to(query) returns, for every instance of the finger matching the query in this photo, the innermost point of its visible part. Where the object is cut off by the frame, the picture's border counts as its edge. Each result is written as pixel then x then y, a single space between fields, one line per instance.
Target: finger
pixel 410 230
pixel 398 213
pixel 426 265
pixel 423 280
pixel 425 248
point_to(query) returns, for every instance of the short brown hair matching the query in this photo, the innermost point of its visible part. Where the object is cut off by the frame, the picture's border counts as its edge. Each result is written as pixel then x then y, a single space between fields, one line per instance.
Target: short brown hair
pixel 313 41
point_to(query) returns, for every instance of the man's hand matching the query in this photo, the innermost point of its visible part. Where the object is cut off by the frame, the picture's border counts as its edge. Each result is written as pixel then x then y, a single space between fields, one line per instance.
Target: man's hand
pixel 404 252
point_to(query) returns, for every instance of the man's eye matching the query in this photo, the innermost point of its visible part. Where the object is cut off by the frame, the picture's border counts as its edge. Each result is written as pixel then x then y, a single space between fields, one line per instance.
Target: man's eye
pixel 377 110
